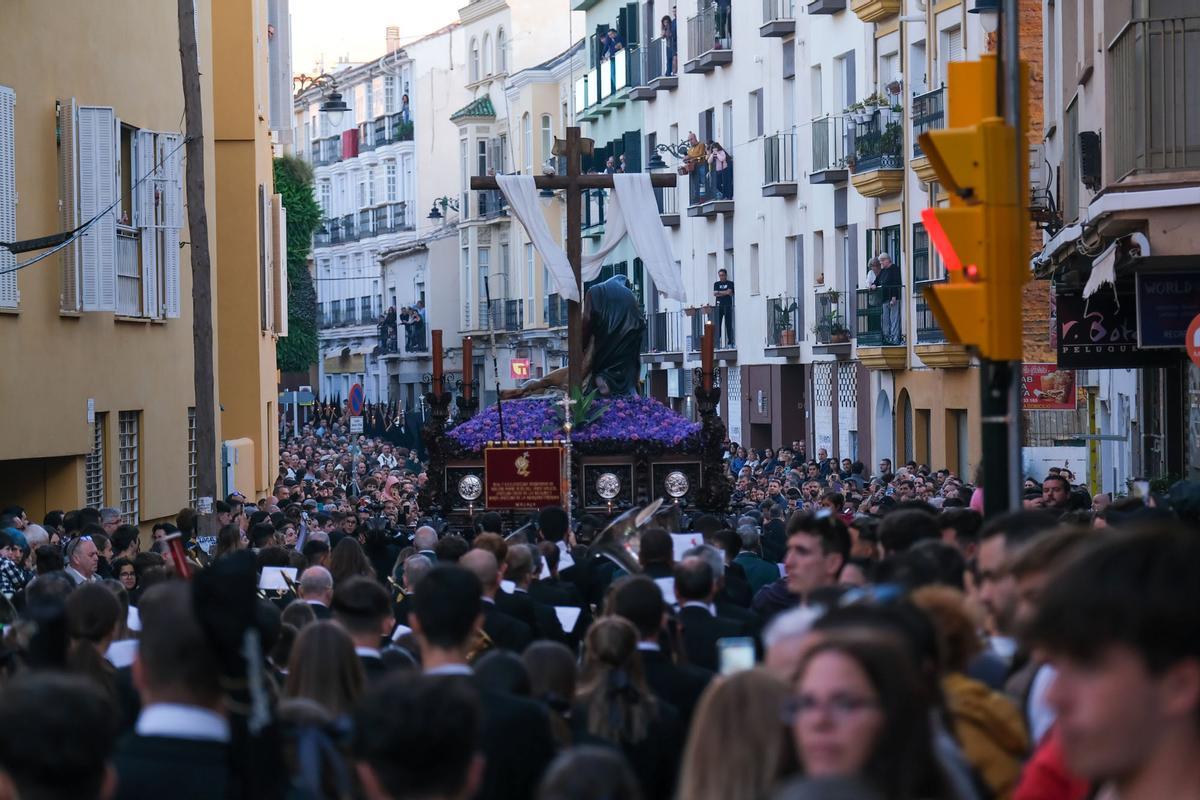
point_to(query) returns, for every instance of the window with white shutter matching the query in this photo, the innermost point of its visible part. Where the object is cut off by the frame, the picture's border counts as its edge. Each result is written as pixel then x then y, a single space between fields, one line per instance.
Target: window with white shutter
pixel 145 219
pixel 279 257
pixel 9 297
pixel 96 133
pixel 168 197
pixel 93 467
pixel 68 201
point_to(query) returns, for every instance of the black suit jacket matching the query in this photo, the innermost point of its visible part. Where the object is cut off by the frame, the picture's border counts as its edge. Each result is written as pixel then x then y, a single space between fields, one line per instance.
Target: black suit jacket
pixel 507 633
pixel 701 630
pixel 518 606
pixel 679 685
pixel 774 541
pixel 655 759
pixel 322 612
pixel 737 589
pixel 153 767
pixel 375 668
pixel 548 626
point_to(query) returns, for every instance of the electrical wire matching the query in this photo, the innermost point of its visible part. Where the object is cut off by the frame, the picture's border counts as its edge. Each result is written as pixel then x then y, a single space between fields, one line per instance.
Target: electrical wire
pixel 83 228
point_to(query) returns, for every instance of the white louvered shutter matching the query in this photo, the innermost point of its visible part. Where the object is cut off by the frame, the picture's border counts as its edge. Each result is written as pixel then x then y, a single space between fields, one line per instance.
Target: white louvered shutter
pixel 9 297
pixel 98 191
pixel 266 264
pixel 171 218
pixel 279 219
pixel 144 219
pixel 68 194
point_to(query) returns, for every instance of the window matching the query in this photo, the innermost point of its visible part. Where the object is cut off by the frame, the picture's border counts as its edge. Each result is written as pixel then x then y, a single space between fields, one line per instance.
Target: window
pixel 364 309
pixel 844 90
pixel 474 60
pixel 128 447
pixel 191 438
pixel 481 157
pixel 326 198
pixel 1070 163
pixel 464 178
pixel 370 186
pixel 530 292
pixel 487 54
pixel 527 142
pixel 389 94
pixel 951 50
pixel 755 277
pixel 348 311
pixel 818 257
pixel 501 52
pixel 466 286
pixel 506 281
pixel 755 121
pixel 727 121
pixel 547 138
pixel 362 189
pixel 369 111
pixel 484 258
pixel 93 467
pixel 390 171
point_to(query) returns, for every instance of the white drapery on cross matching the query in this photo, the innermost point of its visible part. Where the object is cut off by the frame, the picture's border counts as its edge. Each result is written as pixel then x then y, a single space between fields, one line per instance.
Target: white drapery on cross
pixel 632 211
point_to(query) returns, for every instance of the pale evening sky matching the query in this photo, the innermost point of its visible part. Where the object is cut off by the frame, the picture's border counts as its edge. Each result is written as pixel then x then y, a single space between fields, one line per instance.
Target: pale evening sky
pixel 356 27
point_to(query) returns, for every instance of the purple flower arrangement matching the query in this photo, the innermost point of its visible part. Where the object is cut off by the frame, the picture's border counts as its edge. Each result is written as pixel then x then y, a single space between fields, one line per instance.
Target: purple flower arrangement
pixel 630 423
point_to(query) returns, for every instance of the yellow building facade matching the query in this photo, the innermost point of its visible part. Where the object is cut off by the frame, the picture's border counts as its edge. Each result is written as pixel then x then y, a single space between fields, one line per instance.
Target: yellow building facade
pixel 96 338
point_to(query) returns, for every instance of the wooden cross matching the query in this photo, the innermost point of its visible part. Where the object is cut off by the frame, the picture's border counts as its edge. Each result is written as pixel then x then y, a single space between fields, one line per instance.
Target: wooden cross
pixel 573 185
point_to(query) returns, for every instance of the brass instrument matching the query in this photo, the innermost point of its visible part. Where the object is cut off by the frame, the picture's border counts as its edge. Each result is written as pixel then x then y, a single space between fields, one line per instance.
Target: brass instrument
pixel 398 592
pixel 621 540
pixel 480 647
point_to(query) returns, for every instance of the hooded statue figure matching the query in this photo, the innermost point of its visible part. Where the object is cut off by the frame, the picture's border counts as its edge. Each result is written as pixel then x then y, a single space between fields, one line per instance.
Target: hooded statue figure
pixel 613 321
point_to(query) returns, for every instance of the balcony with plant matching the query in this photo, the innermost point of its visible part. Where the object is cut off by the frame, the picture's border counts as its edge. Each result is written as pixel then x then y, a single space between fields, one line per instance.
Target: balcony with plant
pixel 782 318
pixel 928 114
pixel 876 159
pixel 831 327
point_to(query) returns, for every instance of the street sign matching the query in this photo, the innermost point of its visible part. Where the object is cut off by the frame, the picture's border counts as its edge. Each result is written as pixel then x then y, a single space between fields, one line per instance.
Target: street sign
pixel 301 398
pixel 357 399
pixel 356 424
pixel 1193 340
pixel 518 369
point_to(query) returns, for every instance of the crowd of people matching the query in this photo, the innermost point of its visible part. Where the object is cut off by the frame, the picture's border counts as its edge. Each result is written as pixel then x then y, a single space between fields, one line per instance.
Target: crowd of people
pixel 412 320
pixel 836 634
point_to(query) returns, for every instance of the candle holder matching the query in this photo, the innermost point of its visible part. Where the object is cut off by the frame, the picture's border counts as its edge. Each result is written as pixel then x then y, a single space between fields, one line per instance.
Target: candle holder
pixel 437 391
pixel 467 403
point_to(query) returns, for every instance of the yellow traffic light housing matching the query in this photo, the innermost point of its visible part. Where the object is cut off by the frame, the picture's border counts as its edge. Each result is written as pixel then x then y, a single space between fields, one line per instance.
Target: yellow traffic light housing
pixel 983 235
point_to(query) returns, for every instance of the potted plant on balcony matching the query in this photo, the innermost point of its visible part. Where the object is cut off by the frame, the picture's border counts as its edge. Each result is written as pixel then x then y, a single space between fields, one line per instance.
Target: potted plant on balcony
pixel 783 324
pixel 838 332
pixel 858 112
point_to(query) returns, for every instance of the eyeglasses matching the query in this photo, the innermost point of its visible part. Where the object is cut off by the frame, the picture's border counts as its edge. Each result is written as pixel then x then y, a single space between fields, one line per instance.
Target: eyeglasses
pixel 841 706
pixel 75 543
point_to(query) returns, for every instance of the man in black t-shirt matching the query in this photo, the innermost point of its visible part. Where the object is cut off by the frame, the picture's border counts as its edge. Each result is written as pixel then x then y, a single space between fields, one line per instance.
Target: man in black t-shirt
pixel 723 292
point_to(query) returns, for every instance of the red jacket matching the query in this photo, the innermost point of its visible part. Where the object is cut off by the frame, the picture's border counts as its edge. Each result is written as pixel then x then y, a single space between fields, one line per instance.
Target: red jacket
pixel 1046 777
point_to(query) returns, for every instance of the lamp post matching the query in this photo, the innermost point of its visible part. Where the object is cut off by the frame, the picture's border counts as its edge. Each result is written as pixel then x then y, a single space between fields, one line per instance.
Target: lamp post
pixel 334 107
pixel 447 204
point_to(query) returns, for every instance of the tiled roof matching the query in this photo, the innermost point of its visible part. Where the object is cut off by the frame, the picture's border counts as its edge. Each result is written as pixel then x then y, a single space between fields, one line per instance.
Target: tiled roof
pixel 479 107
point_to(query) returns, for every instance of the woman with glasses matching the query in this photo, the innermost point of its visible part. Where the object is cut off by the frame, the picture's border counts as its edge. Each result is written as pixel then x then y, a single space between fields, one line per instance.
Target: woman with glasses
pixel 125 572
pixel 860 711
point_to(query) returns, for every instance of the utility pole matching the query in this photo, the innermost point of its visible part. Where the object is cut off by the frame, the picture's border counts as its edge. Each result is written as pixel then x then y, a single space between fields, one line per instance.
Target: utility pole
pixel 202 327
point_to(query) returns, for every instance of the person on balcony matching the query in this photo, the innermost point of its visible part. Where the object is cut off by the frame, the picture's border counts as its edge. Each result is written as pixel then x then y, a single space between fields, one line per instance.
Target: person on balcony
pixel 696 164
pixel 888 285
pixel 387 330
pixel 723 292
pixel 872 273
pixel 612 44
pixel 724 24
pixel 405 111
pixel 720 166
pixel 670 34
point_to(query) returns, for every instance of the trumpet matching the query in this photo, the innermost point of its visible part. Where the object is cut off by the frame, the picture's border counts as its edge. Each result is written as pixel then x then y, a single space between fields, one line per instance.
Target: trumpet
pixel 480 647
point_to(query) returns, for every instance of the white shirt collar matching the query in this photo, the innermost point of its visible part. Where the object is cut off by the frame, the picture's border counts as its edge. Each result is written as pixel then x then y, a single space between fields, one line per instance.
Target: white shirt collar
pixel 178 721
pixel 315 603
pixel 649 647
pixel 711 609
pixel 77 576
pixel 488 600
pixel 368 652
pixel 450 669
pixel 565 559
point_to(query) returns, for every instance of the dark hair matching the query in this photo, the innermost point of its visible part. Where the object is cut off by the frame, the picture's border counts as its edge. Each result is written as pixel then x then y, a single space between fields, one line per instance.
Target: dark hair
pixel 446 602
pixel 830 530
pixel 48 558
pixel 965 522
pixel 552 523
pixel 123 537
pixel 93 615
pixel 693 579
pixel 639 600
pixel 273 556
pixel 314 549
pixel 551 667
pixel 728 541
pixel 549 553
pixel 56 734
pixel 229 540
pixel 1138 589
pixel 1017 527
pixel 902 763
pixel 449 549
pixel 490 522
pixel 53 519
pixel 1056 476
pixel 656 547
pixel 502 671
pixel 261 533
pixel 901 529
pixel 348 560
pixel 589 772
pixel 173 650
pixel 360 605
pixel 418 734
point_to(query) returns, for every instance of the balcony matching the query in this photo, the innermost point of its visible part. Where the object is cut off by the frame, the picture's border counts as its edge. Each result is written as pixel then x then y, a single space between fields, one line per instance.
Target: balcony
pixel 817 7
pixel 875 10
pixel 829 151
pixel 606 87
pixel 783 329
pixel 831 331
pixel 491 204
pixel 723 344
pixel 513 316
pixel 928 114
pixel 391 218
pixel 659 71
pixel 668 205
pixel 1154 98
pixel 709 40
pixel 877 168
pixel 129 274
pixel 779 165
pixel 326 151
pixel 366 227
pixel 932 347
pixel 594 206
pixel 880 328
pixel 554 311
pixel 664 337
pixel 779 18
pixel 710 192
pixel 349 231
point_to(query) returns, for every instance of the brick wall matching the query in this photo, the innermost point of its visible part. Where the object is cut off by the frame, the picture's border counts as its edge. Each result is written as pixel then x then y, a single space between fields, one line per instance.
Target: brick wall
pixel 1035 300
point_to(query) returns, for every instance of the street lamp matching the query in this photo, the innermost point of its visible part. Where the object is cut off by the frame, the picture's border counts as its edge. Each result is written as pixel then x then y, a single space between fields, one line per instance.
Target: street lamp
pixel 446 203
pixel 989 14
pixel 334 106
pixel 676 151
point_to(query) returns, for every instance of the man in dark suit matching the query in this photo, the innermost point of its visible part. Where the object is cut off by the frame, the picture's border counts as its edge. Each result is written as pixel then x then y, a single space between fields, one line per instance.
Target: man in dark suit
pixel 515 736
pixel 181 744
pixel 553 527
pixel 519 569
pixel 556 592
pixel 725 608
pixel 364 609
pixel 639 600
pixel 774 540
pixel 657 553
pixel 695 586
pixel 505 631
pixel 316 589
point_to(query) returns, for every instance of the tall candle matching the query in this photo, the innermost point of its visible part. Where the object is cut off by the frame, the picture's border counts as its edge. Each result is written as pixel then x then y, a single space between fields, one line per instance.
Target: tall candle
pixel 706 356
pixel 468 367
pixel 437 363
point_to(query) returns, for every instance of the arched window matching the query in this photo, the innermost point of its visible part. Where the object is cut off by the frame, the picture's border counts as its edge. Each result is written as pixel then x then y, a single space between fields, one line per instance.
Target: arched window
pixel 487 54
pixel 527 142
pixel 474 60
pixel 547 138
pixel 501 51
